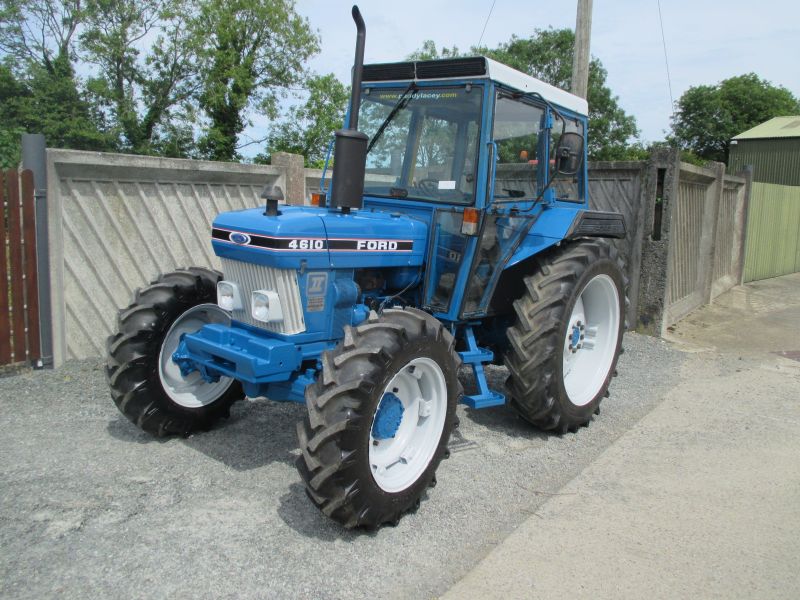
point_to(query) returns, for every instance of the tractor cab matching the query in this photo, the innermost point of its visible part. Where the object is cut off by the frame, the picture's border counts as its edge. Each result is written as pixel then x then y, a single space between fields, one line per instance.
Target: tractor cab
pixel 478 151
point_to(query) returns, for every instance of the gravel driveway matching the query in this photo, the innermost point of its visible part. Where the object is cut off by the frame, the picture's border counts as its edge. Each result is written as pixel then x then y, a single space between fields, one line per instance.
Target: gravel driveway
pixel 90 506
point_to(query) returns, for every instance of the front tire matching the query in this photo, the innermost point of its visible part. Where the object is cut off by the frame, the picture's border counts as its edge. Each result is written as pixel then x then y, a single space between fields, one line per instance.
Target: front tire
pixel 379 418
pixel 146 385
pixel 566 341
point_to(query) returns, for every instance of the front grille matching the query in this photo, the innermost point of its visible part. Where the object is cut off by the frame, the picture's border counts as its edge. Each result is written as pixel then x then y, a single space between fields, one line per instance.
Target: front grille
pixel 250 277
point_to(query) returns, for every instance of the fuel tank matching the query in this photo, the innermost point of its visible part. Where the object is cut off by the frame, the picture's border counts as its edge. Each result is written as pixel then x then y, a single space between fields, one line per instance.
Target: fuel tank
pixel 302 237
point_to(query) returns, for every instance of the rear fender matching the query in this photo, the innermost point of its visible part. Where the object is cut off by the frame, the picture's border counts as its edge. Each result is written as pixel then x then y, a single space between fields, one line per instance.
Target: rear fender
pixel 555 225
pixel 549 229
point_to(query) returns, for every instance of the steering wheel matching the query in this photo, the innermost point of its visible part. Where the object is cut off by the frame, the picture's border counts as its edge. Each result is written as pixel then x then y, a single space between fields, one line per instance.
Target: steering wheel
pixel 429 186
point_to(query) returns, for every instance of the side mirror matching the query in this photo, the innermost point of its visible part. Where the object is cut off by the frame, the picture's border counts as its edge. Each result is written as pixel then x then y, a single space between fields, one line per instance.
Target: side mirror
pixel 569 153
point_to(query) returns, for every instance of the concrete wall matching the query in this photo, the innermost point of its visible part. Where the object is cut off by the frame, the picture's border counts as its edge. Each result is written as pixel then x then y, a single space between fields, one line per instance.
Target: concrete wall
pixel 116 222
pixel 620 187
pixel 694 250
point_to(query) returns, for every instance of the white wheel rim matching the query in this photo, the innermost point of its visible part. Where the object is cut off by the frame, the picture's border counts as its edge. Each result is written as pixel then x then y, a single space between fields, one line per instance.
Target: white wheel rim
pixel 191 391
pixel 398 462
pixel 591 340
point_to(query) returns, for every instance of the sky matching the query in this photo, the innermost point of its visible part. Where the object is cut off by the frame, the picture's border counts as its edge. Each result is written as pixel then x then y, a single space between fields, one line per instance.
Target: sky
pixel 707 41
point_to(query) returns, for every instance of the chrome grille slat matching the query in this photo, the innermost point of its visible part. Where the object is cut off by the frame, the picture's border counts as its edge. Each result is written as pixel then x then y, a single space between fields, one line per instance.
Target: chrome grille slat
pixel 250 277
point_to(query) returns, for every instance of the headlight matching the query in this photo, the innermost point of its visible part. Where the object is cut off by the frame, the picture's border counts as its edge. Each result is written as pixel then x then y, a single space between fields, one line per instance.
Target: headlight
pixel 265 305
pixel 228 296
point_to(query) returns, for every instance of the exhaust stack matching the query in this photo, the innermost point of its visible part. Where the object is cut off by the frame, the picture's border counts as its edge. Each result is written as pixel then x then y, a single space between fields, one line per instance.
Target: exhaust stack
pixel 350 149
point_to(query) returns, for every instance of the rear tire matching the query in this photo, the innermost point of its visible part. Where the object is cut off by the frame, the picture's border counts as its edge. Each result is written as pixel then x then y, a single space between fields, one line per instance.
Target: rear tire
pixel 362 469
pixel 146 388
pixel 574 299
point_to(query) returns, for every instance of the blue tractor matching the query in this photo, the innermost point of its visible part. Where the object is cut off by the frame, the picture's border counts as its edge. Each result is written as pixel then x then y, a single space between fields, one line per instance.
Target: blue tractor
pixel 456 231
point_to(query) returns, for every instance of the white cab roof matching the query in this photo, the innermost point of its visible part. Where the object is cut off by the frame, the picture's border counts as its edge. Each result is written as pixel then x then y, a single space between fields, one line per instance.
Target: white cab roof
pixel 525 83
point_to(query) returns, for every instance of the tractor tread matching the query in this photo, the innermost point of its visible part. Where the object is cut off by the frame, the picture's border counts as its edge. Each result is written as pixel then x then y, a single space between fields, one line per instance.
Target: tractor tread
pixel 535 339
pixel 132 355
pixel 331 460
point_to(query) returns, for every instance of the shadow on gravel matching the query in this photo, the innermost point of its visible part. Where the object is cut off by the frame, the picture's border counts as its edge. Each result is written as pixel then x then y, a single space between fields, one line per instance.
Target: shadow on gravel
pixel 257 433
pixel 505 420
pixel 297 511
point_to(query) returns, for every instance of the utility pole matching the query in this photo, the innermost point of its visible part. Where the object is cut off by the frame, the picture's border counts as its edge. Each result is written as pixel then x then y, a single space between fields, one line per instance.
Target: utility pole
pixel 580 59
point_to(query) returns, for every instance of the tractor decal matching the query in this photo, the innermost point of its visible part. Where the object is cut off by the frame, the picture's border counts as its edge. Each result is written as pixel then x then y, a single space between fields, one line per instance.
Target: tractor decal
pixel 310 244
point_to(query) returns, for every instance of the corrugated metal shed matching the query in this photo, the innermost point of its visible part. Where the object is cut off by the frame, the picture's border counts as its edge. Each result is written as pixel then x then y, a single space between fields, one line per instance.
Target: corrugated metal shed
pixel 773 148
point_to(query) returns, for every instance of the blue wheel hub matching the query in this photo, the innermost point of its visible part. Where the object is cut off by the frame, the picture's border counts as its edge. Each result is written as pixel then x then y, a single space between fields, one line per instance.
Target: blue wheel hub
pixel 575 337
pixel 388 418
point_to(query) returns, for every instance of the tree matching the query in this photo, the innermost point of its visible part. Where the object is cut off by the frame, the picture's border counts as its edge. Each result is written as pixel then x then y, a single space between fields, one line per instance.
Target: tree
pixel 38 88
pixel 49 103
pixel 254 50
pixel 429 51
pixel 307 128
pixel 39 31
pixel 147 98
pixel 708 116
pixel 547 55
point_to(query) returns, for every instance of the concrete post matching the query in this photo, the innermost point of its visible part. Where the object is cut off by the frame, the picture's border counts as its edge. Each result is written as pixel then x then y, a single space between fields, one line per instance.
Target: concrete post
pixel 708 241
pixel 34 158
pixel 294 167
pixel 663 175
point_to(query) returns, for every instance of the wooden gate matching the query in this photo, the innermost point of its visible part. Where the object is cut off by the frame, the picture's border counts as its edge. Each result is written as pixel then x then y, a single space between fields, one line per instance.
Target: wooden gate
pixel 19 298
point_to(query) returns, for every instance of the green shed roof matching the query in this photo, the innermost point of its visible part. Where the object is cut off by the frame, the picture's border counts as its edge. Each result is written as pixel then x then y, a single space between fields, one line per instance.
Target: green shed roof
pixel 778 127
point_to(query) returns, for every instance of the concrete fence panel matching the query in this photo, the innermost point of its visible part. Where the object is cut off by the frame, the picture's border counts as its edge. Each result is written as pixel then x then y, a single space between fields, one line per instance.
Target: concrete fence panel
pixel 619 187
pixel 694 226
pixel 117 221
pixel 694 249
pixel 729 235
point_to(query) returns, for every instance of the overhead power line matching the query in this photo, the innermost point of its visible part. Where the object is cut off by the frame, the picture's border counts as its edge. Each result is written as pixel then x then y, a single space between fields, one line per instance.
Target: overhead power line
pixel 486 22
pixel 666 60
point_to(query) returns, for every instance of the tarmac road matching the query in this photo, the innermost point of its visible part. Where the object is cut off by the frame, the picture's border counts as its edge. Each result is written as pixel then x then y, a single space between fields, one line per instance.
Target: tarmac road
pixel 92 507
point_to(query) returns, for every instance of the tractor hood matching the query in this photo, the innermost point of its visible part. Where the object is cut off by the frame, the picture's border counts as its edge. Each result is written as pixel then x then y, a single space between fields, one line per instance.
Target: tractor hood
pixel 320 237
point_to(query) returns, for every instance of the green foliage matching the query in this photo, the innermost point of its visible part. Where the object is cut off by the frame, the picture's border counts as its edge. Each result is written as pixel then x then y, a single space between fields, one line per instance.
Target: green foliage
pixel 10 146
pixel 38 31
pixel 38 88
pixel 159 71
pixel 143 94
pixel 547 55
pixel 639 151
pixel 251 50
pixel 429 51
pixel 307 129
pixel 708 116
pixel 49 103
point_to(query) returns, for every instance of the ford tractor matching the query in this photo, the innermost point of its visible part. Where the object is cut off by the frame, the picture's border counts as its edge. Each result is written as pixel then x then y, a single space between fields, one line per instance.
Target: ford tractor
pixel 455 232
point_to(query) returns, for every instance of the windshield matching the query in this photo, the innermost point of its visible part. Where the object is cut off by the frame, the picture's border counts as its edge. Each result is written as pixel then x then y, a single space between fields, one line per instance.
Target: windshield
pixel 424 142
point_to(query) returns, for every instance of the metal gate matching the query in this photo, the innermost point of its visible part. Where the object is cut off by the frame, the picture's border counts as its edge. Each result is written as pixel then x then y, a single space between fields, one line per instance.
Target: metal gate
pixel 19 297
